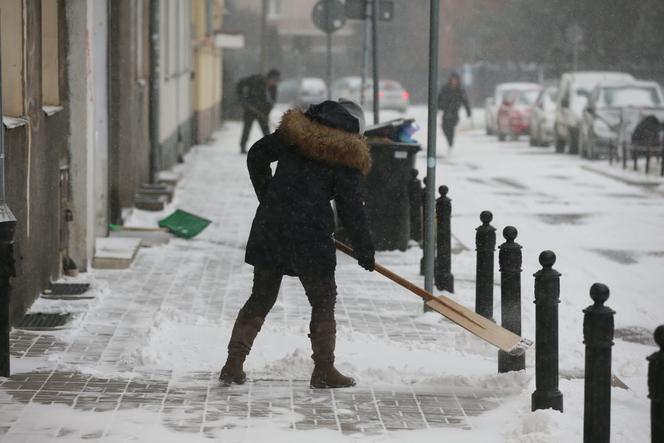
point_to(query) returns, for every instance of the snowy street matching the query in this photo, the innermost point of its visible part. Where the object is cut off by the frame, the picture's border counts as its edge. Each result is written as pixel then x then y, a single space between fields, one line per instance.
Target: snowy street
pixel 140 361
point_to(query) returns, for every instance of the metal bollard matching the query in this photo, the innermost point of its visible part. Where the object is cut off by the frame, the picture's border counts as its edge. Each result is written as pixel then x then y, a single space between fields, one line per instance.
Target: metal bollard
pixel 443 271
pixel 485 240
pixel 547 296
pixel 424 196
pixel 510 261
pixel 598 338
pixel 415 198
pixel 656 388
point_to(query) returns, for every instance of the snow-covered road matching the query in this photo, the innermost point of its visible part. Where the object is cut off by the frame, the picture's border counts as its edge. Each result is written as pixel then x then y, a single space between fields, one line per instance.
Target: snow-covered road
pixel 139 362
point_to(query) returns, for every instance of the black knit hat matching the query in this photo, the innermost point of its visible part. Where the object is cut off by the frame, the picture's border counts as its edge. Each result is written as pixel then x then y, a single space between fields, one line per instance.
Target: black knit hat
pixel 334 115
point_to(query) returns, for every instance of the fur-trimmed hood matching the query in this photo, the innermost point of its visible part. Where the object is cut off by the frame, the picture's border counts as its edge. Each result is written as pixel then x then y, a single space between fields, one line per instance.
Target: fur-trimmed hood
pixel 319 142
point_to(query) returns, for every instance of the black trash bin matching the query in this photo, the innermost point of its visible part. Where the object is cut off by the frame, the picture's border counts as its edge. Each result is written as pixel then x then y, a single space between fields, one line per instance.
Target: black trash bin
pixel 386 194
pixel 386 186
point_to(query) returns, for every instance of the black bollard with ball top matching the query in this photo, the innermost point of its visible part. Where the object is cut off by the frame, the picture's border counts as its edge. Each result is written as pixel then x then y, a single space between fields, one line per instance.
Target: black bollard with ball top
pixel 656 388
pixel 415 199
pixel 598 337
pixel 485 241
pixel 510 259
pixel 547 297
pixel 443 277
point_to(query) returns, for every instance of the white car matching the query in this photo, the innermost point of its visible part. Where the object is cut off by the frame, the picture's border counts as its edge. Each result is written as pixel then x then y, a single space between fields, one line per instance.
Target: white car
pixel 391 94
pixel 573 94
pixel 492 104
pixel 302 92
pixel 543 117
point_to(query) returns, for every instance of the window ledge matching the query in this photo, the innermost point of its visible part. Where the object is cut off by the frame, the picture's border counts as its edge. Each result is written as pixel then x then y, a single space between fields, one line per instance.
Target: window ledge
pixel 14 122
pixel 51 110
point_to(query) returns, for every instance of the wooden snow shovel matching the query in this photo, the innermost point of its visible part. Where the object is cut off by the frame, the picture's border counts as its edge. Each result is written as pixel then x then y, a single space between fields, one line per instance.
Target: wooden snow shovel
pixel 462 316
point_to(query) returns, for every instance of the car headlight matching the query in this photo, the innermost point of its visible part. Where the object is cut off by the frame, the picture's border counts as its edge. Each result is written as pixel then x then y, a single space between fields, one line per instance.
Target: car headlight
pixel 602 130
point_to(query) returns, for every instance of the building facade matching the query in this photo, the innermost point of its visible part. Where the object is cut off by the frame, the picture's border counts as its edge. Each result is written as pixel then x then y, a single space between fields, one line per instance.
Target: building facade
pixel 82 130
pixel 36 123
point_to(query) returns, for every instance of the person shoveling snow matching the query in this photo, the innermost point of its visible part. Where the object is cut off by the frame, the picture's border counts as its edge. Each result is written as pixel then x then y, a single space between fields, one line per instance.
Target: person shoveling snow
pixel 322 156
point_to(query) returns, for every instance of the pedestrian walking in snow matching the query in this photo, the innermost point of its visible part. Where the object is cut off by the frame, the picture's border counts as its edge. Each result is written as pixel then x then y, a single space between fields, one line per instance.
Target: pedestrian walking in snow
pixel 450 99
pixel 321 156
pixel 257 94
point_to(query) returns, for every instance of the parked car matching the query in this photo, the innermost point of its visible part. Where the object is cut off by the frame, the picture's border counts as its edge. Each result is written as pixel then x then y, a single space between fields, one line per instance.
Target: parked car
pixel 302 92
pixel 602 115
pixel 543 117
pixel 514 113
pixel 392 96
pixel 492 104
pixel 573 93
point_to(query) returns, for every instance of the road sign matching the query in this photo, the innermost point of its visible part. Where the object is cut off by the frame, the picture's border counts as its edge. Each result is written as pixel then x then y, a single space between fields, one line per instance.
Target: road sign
pixel 357 9
pixel 328 15
pixel 386 10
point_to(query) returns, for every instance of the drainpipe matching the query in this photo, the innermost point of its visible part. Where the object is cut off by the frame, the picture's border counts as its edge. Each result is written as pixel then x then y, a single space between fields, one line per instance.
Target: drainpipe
pixel 155 147
pixel 7 227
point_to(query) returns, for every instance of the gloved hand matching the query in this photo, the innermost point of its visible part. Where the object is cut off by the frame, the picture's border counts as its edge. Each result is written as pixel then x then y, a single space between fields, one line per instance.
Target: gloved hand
pixel 366 260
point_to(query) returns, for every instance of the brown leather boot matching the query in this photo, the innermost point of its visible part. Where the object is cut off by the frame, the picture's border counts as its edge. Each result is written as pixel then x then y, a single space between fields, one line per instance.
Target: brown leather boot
pixel 323 339
pixel 242 338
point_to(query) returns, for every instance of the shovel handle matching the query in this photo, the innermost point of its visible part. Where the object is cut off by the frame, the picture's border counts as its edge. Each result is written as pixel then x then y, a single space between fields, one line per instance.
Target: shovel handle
pixel 389 274
pixel 425 295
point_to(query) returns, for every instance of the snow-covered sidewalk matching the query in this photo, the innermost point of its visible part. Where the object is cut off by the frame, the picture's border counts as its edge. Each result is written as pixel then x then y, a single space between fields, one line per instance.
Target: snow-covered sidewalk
pixel 140 361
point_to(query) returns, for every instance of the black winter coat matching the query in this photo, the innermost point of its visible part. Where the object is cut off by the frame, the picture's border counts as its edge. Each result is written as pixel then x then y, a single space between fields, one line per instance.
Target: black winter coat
pixel 255 95
pixel 294 224
pixel 450 100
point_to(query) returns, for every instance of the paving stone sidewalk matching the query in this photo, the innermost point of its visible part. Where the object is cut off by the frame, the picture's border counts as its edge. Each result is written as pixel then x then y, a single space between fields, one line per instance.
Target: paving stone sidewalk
pixel 207 279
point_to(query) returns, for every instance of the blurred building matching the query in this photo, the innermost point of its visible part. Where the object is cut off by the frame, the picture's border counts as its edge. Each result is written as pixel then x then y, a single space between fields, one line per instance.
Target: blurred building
pixel 293 44
pixel 207 75
pixel 93 109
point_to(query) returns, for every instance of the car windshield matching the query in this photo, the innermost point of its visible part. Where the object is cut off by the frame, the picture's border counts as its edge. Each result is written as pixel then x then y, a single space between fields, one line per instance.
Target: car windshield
pixel 582 93
pixel 630 96
pixel 527 97
pixel 389 85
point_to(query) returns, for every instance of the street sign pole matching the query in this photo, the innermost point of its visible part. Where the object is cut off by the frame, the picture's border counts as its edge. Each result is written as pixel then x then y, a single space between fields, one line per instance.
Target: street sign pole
pixel 328 16
pixel 374 41
pixel 329 53
pixel 365 54
pixel 430 201
pixel 263 59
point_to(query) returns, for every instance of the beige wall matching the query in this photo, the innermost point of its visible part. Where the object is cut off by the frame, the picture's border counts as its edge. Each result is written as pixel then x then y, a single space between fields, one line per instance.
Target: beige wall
pixel 174 84
pixel 12 57
pixel 206 88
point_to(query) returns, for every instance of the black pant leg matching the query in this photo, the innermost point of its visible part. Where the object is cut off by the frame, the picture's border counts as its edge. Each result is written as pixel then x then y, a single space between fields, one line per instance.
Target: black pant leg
pixel 267 282
pixel 248 118
pixel 449 125
pixel 321 291
pixel 264 124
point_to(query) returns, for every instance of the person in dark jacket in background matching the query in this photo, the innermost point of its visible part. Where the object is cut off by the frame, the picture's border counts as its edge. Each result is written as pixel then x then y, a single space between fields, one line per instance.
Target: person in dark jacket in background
pixel 450 99
pixel 257 95
pixel 321 156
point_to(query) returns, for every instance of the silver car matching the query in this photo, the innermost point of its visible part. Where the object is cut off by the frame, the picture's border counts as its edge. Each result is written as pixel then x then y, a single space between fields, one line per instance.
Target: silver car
pixel 543 117
pixel 573 93
pixel 302 92
pixel 604 111
pixel 391 94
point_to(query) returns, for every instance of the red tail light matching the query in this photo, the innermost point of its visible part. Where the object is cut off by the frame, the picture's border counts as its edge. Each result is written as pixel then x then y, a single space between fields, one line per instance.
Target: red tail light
pixel 405 95
pixel 381 94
